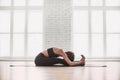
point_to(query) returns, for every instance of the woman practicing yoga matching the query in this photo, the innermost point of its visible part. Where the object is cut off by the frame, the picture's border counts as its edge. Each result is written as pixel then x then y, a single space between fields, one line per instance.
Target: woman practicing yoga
pixel 50 57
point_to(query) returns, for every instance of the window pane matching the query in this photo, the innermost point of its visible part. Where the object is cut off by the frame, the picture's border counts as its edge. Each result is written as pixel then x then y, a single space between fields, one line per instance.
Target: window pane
pixel 113 21
pixel 5 2
pixel 113 2
pixel 4 45
pixel 96 2
pixel 34 44
pixel 97 45
pixel 19 2
pixel 80 44
pixel 97 21
pixel 80 2
pixel 19 21
pixel 113 45
pixel 4 21
pixel 18 45
pixel 35 2
pixel 35 21
pixel 80 21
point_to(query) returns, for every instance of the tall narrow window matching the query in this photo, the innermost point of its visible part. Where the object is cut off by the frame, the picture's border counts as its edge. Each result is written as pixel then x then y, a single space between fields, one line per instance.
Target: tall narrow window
pixel 4 33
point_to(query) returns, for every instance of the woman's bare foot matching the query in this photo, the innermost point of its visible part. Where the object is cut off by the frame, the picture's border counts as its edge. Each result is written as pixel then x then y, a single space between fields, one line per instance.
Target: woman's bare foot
pixel 82 60
pixel 83 57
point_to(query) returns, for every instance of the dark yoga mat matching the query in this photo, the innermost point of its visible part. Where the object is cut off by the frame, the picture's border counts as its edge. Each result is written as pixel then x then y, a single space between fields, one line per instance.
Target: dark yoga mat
pixel 57 66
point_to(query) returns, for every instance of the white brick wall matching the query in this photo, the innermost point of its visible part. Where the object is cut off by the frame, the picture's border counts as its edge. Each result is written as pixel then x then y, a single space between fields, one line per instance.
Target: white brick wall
pixel 57 24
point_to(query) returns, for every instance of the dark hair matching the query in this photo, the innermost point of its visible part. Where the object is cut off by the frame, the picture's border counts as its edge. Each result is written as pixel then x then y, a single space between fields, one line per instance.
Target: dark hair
pixel 70 55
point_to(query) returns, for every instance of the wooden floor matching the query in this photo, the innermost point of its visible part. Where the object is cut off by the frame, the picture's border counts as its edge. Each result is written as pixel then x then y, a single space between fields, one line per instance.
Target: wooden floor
pixel 92 71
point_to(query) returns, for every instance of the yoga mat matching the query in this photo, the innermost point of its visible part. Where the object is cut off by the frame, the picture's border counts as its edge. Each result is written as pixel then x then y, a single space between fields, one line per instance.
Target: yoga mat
pixel 57 66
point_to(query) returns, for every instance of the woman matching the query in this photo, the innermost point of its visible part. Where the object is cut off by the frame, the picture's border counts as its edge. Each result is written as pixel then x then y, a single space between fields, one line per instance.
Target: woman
pixel 50 57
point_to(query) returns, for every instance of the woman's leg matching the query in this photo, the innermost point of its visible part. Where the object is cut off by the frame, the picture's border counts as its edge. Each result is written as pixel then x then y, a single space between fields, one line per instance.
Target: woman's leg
pixel 46 61
pixel 52 61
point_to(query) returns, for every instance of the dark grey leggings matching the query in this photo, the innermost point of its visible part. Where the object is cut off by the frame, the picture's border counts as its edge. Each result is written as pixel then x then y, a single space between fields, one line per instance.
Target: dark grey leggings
pixel 42 60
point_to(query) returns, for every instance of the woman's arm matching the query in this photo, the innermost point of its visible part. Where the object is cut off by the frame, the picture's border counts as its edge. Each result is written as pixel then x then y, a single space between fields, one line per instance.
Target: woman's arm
pixel 63 54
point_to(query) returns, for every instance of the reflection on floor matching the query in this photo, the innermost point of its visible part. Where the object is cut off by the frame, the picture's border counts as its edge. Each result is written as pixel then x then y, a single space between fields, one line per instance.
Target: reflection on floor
pixel 19 72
